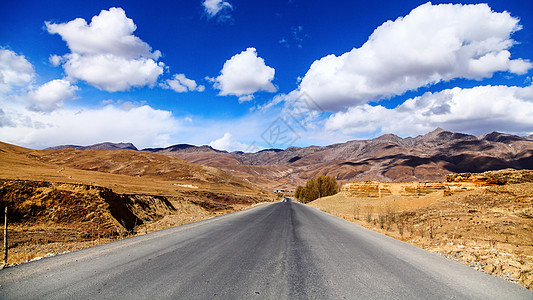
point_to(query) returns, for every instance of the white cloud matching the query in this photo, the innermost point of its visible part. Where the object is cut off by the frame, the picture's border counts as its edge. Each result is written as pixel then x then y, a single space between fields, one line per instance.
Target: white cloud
pixel 55 60
pixel 179 83
pixel 15 71
pixel 17 83
pixel 244 74
pixel 297 34
pixel 213 7
pixel 111 32
pixel 296 38
pixel 228 143
pixel 105 53
pixel 246 98
pixel 433 43
pixel 477 110
pixel 113 73
pixel 142 125
pixel 51 95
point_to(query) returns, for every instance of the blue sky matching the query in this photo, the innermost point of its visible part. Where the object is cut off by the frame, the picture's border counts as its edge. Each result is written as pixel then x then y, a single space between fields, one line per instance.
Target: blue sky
pixel 247 75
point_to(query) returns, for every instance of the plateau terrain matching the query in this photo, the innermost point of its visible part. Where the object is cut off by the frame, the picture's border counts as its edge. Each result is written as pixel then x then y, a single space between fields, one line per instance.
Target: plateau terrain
pixel 466 197
pixel 66 199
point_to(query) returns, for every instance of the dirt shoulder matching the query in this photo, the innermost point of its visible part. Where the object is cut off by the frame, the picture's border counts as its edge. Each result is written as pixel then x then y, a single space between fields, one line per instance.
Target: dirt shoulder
pixel 65 200
pixel 49 218
pixel 489 227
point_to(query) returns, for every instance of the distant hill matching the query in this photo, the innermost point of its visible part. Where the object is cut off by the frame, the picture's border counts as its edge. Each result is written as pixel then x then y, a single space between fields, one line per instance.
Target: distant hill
pixel 101 146
pixel 385 158
pixel 183 148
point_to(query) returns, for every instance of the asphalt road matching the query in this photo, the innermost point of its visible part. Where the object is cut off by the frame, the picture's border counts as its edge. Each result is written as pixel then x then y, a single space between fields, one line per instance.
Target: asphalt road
pixel 277 251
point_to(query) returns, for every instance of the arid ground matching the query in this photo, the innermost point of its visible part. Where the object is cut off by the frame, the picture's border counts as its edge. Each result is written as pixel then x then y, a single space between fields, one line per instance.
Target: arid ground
pixel 483 220
pixel 64 200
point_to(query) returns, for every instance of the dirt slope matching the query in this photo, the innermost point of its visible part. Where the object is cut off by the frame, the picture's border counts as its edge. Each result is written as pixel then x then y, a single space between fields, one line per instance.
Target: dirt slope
pixel 65 199
pixel 488 224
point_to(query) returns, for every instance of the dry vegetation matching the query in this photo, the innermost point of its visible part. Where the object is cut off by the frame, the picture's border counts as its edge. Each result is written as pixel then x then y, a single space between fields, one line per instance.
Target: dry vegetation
pixel 487 223
pixel 64 200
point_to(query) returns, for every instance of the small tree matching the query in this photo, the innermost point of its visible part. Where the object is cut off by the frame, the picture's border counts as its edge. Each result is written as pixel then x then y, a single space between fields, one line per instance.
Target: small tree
pixel 298 192
pixel 315 188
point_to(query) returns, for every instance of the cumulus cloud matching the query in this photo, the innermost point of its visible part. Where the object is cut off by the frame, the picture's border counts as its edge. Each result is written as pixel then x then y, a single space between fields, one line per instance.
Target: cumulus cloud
pixel 142 125
pixel 113 73
pixel 51 95
pixel 432 43
pixel 214 7
pixel 246 98
pixel 15 71
pixel 477 110
pixel 105 53
pixel 55 60
pixel 180 83
pixel 228 143
pixel 244 74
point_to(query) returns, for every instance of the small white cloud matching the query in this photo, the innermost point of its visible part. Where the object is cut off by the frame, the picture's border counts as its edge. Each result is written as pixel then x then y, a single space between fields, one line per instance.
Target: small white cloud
pixel 477 110
pixel 107 102
pixel 246 98
pixel 55 60
pixel 433 43
pixel 214 7
pixel 181 84
pixel 51 95
pixel 15 71
pixel 284 42
pixel 228 143
pixel 244 74
pixel 298 36
pixel 105 53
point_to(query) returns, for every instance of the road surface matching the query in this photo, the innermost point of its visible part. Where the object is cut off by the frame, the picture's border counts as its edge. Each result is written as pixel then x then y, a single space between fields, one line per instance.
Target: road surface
pixel 275 251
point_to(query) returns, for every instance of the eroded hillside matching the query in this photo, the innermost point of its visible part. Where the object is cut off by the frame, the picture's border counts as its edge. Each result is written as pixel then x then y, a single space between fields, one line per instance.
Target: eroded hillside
pixel 66 199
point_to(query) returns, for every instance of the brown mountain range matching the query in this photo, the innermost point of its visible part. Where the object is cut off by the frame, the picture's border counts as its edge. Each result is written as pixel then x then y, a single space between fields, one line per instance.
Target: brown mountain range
pixel 100 146
pixel 386 158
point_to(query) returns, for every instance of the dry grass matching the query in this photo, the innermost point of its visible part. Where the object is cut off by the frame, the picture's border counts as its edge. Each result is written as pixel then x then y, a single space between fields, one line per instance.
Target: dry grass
pixel 61 200
pixel 488 228
pixel 124 171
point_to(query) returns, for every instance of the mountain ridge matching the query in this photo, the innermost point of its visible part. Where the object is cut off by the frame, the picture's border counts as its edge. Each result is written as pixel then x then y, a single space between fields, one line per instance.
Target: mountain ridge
pixel 433 135
pixel 428 157
pixel 99 146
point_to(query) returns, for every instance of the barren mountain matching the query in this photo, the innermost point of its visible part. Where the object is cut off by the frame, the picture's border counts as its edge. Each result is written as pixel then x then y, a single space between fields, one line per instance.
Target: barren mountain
pixel 386 158
pixel 101 146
